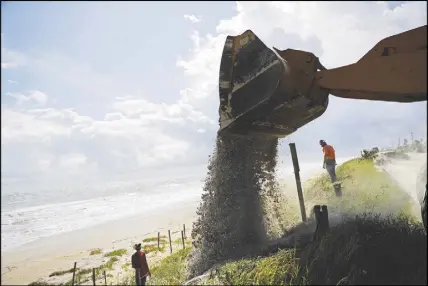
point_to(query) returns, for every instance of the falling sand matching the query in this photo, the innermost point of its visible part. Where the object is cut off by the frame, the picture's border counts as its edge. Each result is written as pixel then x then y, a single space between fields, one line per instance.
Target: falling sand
pixel 239 188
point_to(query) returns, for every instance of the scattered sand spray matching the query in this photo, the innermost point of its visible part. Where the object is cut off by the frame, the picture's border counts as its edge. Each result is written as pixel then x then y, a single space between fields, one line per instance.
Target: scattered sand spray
pixel 240 204
pixel 410 175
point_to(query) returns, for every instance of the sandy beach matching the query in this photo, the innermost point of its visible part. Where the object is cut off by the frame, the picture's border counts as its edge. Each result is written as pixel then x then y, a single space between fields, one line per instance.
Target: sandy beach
pixel 38 259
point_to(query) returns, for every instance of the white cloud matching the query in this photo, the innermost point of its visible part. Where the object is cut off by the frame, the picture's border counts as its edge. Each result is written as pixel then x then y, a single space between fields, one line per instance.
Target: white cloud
pixel 135 134
pixel 34 95
pixel 72 160
pixel 192 18
pixel 11 59
pixel 23 126
pixel 125 130
pixel 12 81
pixel 38 97
pixel 149 113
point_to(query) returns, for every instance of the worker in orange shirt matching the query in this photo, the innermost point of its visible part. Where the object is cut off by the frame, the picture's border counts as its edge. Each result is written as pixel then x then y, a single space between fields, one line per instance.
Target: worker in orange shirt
pixel 139 263
pixel 330 164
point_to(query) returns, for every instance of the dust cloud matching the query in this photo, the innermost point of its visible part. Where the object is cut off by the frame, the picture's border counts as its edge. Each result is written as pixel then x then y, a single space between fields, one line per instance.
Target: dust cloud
pixel 410 175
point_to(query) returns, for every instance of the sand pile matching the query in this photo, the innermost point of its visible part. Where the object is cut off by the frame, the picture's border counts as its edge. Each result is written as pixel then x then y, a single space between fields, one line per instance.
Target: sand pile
pixel 239 207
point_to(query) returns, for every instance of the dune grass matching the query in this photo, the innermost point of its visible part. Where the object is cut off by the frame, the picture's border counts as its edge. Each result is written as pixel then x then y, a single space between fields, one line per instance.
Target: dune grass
pixel 179 242
pixel 384 244
pixel 117 252
pixel 369 249
pixel 154 247
pixel 365 189
pixel 272 270
pixel 381 242
pixel 364 250
pixel 126 266
pixel 155 239
pixel 61 272
pixel 170 270
pixel 109 263
pixel 82 276
pixel 95 251
pixel 39 282
pixel 85 274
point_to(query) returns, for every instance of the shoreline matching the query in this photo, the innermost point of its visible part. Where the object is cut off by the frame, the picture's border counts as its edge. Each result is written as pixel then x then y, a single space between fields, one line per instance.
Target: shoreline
pixel 44 256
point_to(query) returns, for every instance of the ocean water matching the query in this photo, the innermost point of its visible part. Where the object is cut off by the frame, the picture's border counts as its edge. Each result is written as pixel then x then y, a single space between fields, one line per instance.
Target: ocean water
pixel 27 217
pixel 37 213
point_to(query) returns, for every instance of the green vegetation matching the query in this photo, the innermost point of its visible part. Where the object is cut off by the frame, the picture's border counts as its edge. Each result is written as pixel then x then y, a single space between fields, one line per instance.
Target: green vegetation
pixel 177 241
pixel 364 250
pixel 84 271
pixel 155 239
pixel 126 266
pixel 170 270
pixel 367 249
pixel 62 272
pixel 109 263
pixel 365 189
pixel 148 248
pixel 153 247
pixel 39 282
pixel 85 274
pixel 81 276
pixel 273 270
pixel 370 154
pixel 96 251
pixel 381 241
pixel 117 252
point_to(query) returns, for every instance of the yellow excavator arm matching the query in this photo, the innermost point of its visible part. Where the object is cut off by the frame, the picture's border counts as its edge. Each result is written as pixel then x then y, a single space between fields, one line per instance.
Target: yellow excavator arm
pixel 394 70
pixel 276 92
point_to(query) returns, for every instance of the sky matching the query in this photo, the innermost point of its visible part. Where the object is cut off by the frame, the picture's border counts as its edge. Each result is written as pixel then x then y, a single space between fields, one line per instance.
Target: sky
pixel 103 91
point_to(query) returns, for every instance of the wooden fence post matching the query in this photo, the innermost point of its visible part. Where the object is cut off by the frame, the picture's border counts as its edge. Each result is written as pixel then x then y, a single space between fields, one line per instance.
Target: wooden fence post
pixel 74 273
pixel 170 244
pixel 317 213
pixel 321 219
pixel 184 230
pixel 298 182
pixel 326 223
pixel 182 239
pixel 93 276
pixel 159 241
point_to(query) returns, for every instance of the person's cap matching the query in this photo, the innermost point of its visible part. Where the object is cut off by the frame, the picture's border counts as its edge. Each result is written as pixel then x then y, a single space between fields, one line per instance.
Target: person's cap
pixel 322 141
pixel 138 245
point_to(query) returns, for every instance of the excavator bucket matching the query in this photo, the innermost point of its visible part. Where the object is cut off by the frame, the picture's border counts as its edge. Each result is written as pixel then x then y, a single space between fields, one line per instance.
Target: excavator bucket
pixel 267 91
